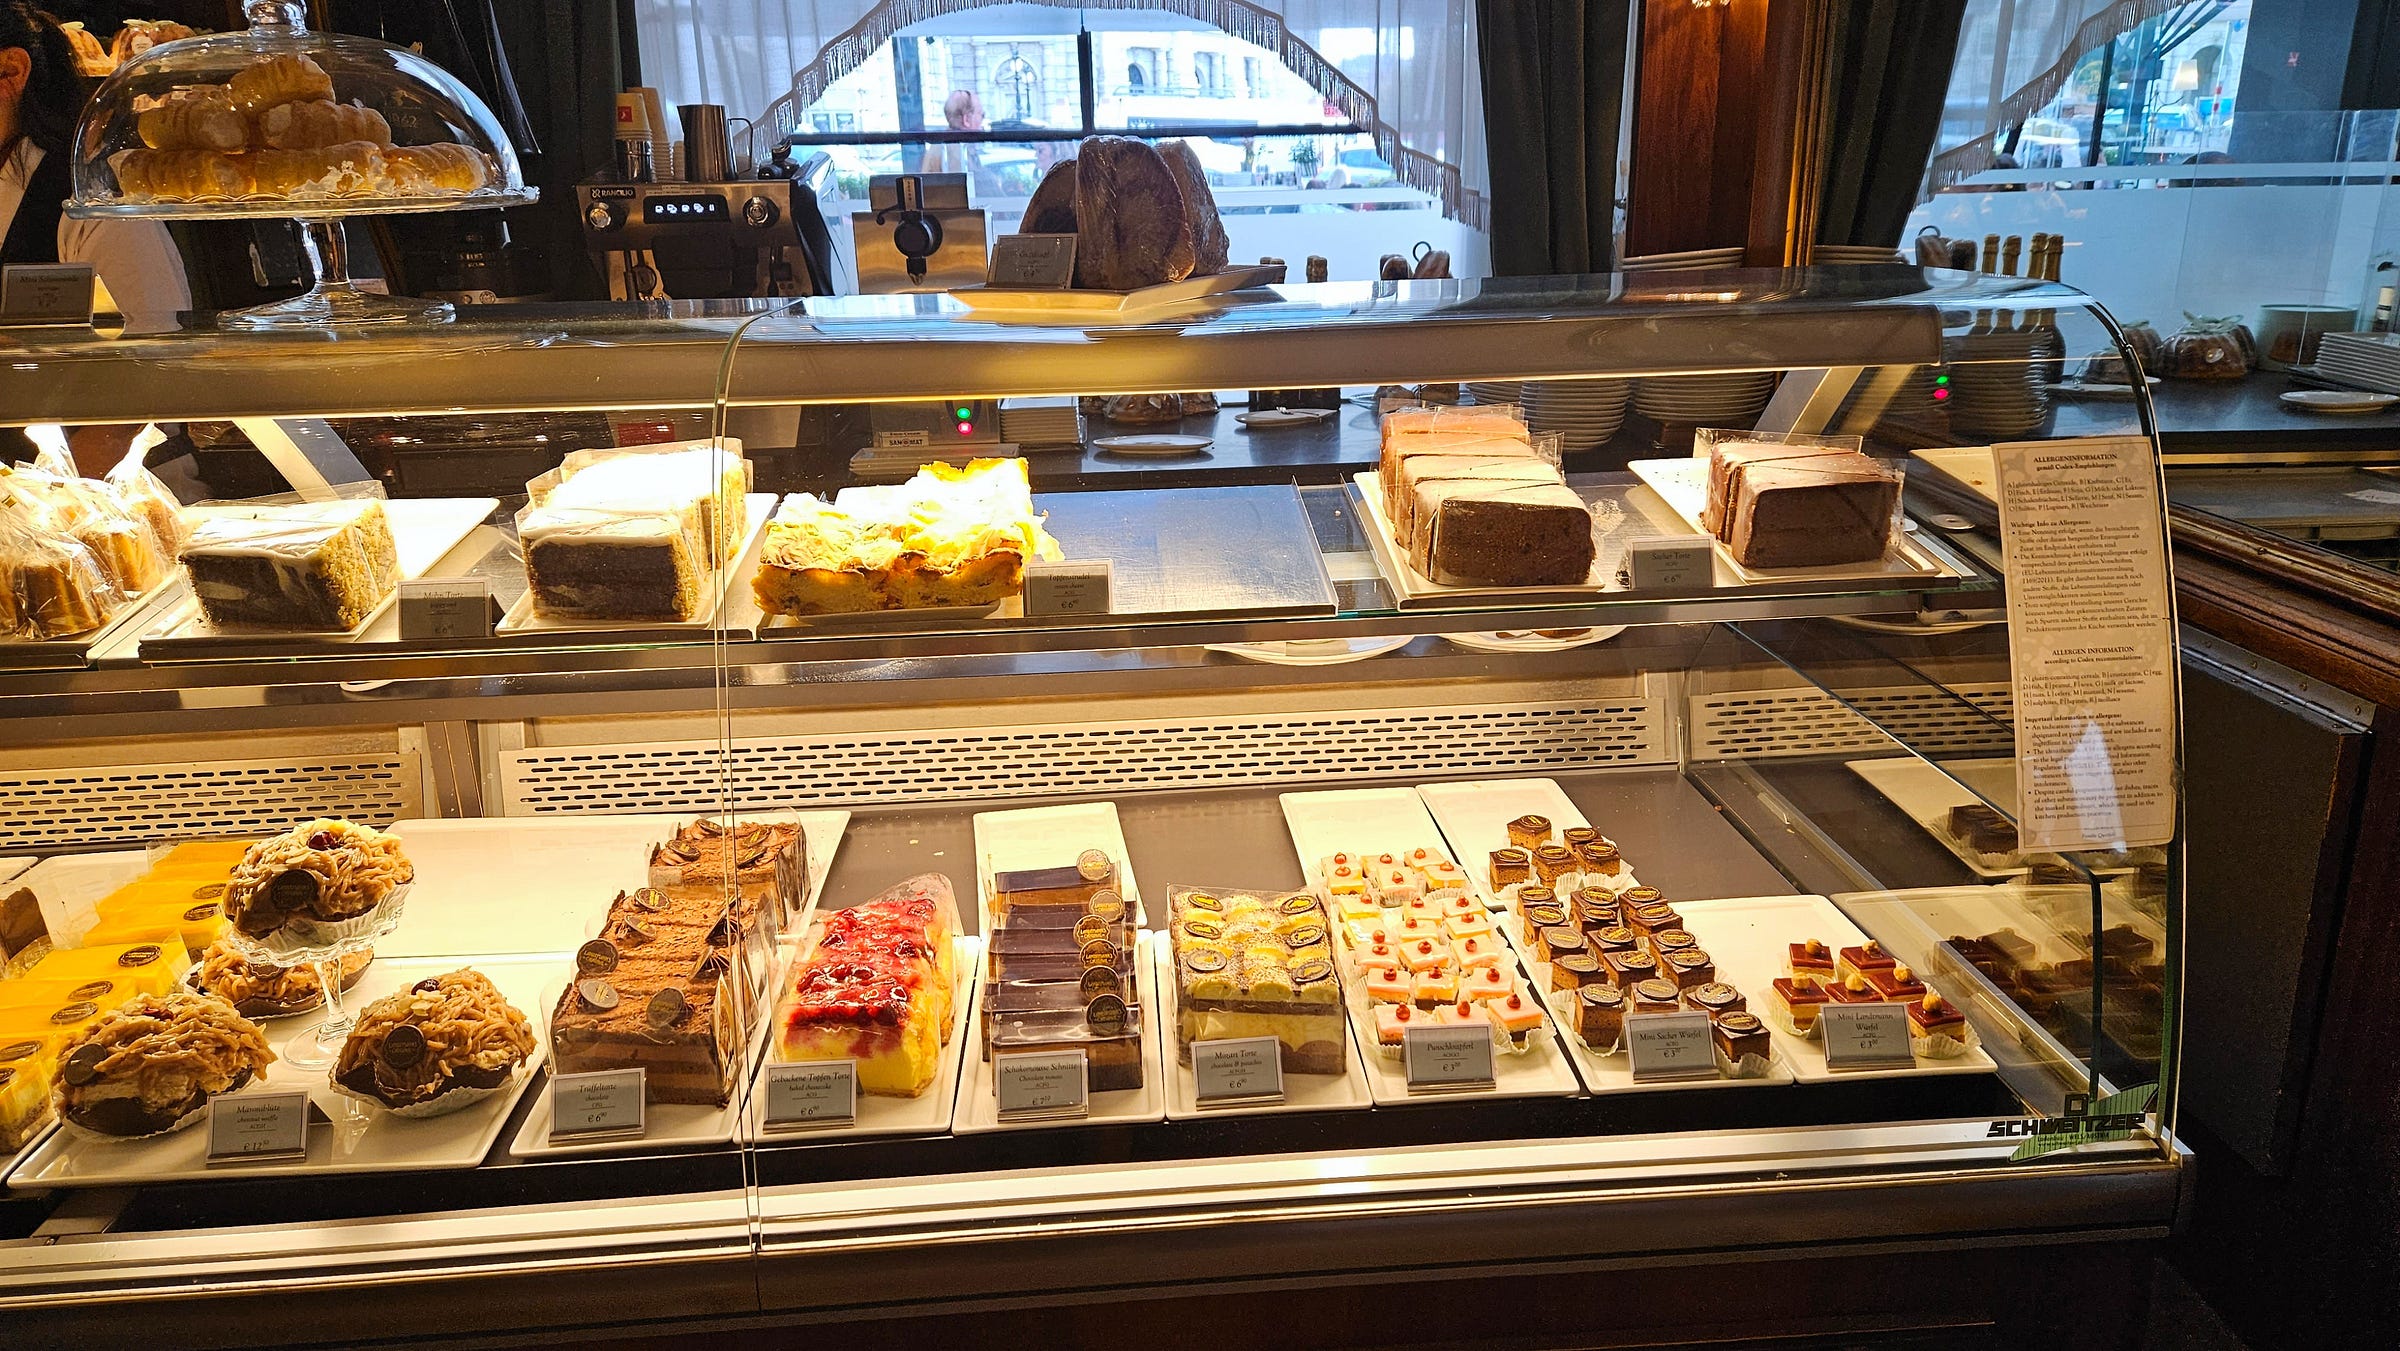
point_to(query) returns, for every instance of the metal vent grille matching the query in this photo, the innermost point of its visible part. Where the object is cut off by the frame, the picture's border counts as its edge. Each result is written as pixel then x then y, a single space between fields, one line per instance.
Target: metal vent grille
pixel 115 805
pixel 1084 758
pixel 1756 724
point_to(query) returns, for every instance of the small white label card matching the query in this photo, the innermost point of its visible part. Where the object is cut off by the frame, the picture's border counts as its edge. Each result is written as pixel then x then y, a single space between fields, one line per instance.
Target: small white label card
pixel 602 1105
pixel 812 1095
pixel 1042 1085
pixel 46 294
pixel 258 1127
pixel 2091 623
pixel 1032 262
pixel 1667 1047
pixel 446 607
pixel 1076 586
pixel 1866 1037
pixel 1671 564
pixel 1447 1059
pixel 1238 1071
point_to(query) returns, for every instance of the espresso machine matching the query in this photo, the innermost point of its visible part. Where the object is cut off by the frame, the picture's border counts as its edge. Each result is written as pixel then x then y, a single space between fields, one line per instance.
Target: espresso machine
pixel 707 241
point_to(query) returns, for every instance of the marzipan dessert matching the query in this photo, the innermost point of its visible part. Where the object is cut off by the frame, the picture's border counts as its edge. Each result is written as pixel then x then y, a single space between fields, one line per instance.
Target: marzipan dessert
pixel 276 131
pixel 948 536
pixel 153 1064
pixel 442 1044
pixel 315 885
pixel 257 990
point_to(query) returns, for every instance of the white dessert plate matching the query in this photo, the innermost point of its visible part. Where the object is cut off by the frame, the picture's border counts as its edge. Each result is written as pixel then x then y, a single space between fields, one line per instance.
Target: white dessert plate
pixel 1284 417
pixel 1530 640
pixel 1750 939
pixel 820 626
pixel 735 601
pixel 1683 486
pixel 1612 1073
pixel 1344 1092
pixel 1360 821
pixel 1049 837
pixel 359 1139
pixel 1927 794
pixel 1313 651
pixel 2338 401
pixel 1155 443
pixel 928 1113
pixel 1474 820
pixel 557 873
pixel 978 1098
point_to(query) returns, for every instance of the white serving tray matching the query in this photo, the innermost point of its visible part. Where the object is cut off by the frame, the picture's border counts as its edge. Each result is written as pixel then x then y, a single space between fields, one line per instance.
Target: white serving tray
pixel 1969 467
pixel 1049 837
pixel 542 885
pixel 1360 820
pixel 1541 1071
pixel 1076 306
pixel 1683 486
pixel 1750 938
pixel 1474 819
pixel 740 610
pixel 424 531
pixel 1613 1072
pixel 1927 794
pixel 978 1099
pixel 74 651
pixel 1342 1092
pixel 361 1139
pixel 928 1113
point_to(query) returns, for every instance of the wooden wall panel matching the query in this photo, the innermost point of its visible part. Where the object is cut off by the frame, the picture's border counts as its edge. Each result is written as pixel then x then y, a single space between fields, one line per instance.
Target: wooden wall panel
pixel 1675 128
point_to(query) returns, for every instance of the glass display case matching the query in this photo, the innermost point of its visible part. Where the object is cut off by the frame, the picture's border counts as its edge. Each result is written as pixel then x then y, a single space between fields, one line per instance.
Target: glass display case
pixel 911 883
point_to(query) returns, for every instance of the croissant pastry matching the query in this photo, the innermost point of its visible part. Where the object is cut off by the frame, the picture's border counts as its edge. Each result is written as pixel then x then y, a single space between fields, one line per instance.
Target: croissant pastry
pixel 272 81
pixel 91 58
pixel 138 36
pixel 321 122
pixel 423 170
pixel 204 120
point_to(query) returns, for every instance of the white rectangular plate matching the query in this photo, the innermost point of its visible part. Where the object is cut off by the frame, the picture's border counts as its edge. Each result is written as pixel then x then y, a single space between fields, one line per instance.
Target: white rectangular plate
pixel 1048 837
pixel 1750 938
pixel 1613 1073
pixel 1927 794
pixel 1358 820
pixel 979 1105
pixel 1541 1071
pixel 740 611
pixel 1474 819
pixel 543 884
pixel 1970 467
pixel 928 1113
pixel 1683 486
pixel 1342 1092
pixel 362 1139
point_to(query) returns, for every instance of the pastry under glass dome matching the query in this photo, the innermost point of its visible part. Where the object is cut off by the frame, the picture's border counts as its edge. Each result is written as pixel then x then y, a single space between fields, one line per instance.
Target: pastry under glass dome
pixel 279 122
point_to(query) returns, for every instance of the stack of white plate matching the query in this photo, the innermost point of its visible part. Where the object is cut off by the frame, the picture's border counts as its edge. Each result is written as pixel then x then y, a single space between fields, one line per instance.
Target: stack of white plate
pixel 1496 393
pixel 1713 400
pixel 2368 360
pixel 1680 262
pixel 1584 413
pixel 1041 422
pixel 1995 383
pixel 1852 255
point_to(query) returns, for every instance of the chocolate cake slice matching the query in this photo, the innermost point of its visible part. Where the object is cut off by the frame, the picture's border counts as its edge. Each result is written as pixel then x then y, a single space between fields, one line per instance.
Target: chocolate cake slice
pixel 1809 511
pixel 1485 534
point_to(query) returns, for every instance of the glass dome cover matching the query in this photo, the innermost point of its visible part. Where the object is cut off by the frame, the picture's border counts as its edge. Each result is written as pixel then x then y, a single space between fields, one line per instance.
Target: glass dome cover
pixel 278 121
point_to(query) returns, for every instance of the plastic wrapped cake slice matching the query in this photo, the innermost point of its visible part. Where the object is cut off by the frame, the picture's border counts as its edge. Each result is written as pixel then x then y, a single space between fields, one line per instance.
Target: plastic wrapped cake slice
pixel 304 565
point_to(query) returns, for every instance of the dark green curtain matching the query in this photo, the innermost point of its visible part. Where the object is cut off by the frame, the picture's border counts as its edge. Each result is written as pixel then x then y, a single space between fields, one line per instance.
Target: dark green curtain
pixel 1553 95
pixel 1890 72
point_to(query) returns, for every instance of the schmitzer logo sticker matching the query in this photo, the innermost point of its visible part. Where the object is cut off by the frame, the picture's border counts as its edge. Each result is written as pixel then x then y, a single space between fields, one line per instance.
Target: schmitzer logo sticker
pixel 2084 1122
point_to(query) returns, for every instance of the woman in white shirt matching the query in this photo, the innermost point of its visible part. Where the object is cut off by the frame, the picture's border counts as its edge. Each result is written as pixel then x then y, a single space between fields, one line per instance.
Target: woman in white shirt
pixel 41 95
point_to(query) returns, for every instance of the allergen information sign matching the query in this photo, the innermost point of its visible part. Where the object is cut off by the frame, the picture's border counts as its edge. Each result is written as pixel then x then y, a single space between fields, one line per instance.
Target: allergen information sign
pixel 2091 642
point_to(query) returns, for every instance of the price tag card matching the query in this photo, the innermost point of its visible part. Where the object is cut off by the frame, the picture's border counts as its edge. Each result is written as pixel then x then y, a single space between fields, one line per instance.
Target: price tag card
pixel 1866 1037
pixel 1670 564
pixel 1032 262
pixel 1042 1085
pixel 446 607
pixel 1237 1072
pixel 1448 1059
pixel 812 1095
pixel 42 295
pixel 1667 1047
pixel 1073 587
pixel 258 1128
pixel 602 1105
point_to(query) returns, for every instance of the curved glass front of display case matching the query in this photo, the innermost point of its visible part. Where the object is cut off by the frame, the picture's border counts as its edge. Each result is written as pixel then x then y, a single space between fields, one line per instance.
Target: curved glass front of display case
pixel 927 794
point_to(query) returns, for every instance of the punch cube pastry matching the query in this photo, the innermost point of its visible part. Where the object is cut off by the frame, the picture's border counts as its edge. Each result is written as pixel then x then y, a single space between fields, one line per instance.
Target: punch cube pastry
pixel 1799 1002
pixel 1434 986
pixel 1476 924
pixel 1896 983
pixel 1345 881
pixel 1740 1036
pixel 1600 1016
pixel 1810 962
pixel 1516 1016
pixel 1395 885
pixel 1387 985
pixel 1485 982
pixel 1445 879
pixel 1472 952
pixel 309 566
pixel 1425 954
